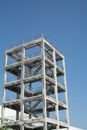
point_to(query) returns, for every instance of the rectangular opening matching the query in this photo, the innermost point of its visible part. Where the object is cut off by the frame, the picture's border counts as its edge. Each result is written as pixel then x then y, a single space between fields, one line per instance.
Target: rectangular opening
pixel 49 71
pixel 11 95
pixel 27 90
pixel 33 109
pixel 33 69
pixel 62 116
pixel 11 60
pixel 11 77
pixel 50 90
pixel 49 55
pixel 27 71
pixel 48 52
pixel 60 80
pixel 59 64
pixel 14 57
pixel 37 87
pixel 58 56
pixel 51 111
pixel 61 97
pixel 33 52
pixel 33 88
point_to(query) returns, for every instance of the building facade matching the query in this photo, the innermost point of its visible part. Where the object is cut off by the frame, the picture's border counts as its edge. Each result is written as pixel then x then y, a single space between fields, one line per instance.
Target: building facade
pixel 35 87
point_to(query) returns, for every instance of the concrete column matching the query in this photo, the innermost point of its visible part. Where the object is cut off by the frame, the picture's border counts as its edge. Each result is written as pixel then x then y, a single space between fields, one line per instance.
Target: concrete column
pixel 22 127
pixel 30 85
pixel 4 91
pixel 22 110
pixel 17 111
pixel 66 94
pixel 22 85
pixel 56 90
pixel 44 87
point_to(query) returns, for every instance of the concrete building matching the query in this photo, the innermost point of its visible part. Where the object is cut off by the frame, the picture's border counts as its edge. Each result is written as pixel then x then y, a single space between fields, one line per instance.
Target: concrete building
pixel 35 87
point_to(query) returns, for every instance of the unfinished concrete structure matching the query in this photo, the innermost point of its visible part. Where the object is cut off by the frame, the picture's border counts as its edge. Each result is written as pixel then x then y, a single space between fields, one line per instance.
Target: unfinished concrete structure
pixel 35 87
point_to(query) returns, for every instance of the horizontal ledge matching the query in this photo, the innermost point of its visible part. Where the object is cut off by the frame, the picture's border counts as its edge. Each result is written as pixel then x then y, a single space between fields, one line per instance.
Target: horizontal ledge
pixel 20 122
pixel 34 98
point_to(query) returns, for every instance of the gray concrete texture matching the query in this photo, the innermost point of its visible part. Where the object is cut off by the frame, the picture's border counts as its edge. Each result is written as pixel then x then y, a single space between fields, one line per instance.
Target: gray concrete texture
pixel 35 87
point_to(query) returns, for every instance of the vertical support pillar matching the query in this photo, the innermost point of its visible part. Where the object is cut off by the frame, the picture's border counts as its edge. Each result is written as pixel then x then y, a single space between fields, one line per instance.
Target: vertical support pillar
pixel 66 94
pixel 30 87
pixel 30 101
pixel 4 91
pixel 17 111
pixel 22 85
pixel 56 89
pixel 22 127
pixel 44 87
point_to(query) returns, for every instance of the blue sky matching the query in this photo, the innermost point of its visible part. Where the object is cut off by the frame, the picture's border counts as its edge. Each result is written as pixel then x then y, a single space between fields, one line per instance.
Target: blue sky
pixel 63 23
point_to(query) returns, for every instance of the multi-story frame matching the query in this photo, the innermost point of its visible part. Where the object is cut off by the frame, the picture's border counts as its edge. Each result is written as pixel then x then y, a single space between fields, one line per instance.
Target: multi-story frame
pixel 35 87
